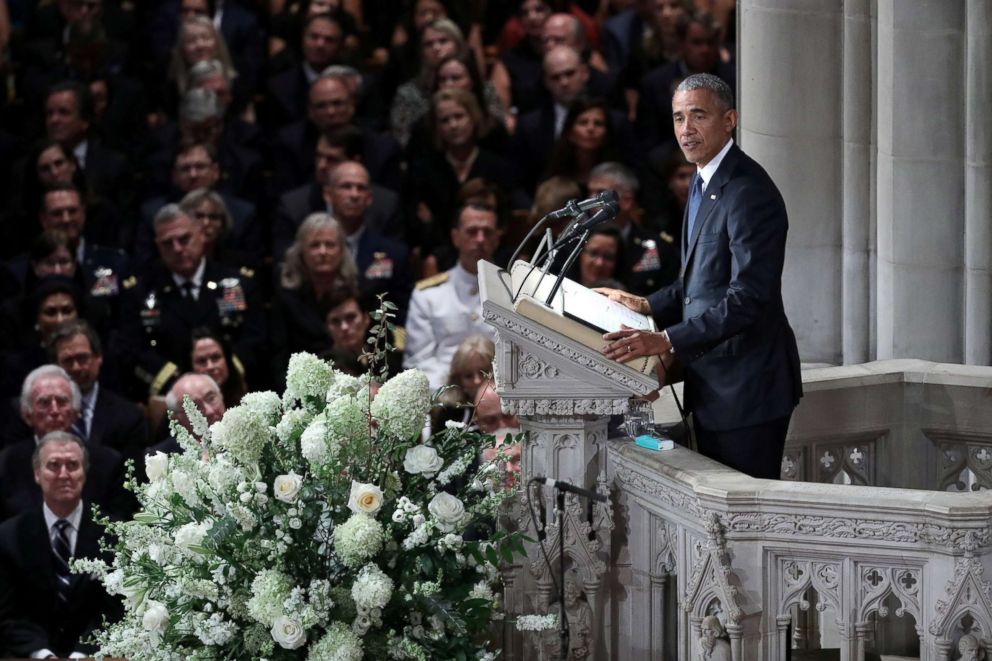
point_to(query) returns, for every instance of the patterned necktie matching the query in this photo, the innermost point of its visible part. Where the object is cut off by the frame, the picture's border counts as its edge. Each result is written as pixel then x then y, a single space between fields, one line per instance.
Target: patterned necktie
pixel 695 199
pixel 62 554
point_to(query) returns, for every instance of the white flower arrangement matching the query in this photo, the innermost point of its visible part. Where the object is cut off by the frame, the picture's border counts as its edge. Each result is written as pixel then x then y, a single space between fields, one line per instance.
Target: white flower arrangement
pixel 537 622
pixel 314 525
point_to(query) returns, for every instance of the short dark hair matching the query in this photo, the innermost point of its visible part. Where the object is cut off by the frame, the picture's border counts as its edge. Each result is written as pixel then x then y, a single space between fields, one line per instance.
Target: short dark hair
pixel 70 329
pixel 84 101
pixel 350 138
pixel 60 187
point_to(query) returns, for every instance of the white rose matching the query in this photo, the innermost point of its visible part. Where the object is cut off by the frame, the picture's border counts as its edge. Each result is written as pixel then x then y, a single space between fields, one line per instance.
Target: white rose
pixel 364 498
pixel 287 487
pixel 422 459
pixel 448 510
pixel 156 465
pixel 288 633
pixel 156 617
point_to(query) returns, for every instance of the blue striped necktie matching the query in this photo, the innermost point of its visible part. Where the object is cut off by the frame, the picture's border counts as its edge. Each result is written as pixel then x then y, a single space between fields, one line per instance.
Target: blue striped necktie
pixel 695 199
pixel 62 553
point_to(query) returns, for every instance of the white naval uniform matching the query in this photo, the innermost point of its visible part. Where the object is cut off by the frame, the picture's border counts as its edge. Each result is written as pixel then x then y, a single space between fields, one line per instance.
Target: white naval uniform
pixel 444 310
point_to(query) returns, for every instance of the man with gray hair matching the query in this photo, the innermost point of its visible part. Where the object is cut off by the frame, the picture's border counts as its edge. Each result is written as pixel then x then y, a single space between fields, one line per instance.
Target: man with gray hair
pixel 185 290
pixel 724 318
pixel 205 395
pixel 51 402
pixel 46 610
pixel 649 259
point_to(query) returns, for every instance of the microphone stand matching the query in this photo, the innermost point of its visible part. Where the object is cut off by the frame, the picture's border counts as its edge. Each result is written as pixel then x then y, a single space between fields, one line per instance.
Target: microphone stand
pixel 568 264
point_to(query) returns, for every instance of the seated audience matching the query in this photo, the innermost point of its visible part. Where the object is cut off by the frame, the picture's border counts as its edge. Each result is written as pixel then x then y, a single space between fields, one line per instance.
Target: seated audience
pixel 205 395
pixel 350 326
pixel 46 609
pixel 51 401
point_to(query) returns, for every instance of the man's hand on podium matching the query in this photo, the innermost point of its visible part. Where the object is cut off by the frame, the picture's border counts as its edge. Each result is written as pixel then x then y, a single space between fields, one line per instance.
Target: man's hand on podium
pixel 628 343
pixel 635 303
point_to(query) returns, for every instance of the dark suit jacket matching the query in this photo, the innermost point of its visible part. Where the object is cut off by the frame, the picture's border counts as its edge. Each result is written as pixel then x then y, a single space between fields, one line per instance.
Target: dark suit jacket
pixel 286 101
pixel 383 216
pixel 294 152
pixel 724 315
pixel 119 424
pixel 104 481
pixel 384 266
pixel 31 615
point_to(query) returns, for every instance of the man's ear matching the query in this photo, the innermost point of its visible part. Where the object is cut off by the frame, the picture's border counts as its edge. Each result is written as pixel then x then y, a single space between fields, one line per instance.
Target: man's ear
pixel 730 119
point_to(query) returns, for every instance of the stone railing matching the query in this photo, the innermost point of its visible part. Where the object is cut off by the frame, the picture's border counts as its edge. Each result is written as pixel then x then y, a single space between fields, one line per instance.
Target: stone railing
pixel 873 572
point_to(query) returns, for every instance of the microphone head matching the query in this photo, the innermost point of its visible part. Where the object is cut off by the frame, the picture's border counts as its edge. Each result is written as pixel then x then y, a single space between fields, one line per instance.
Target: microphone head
pixel 610 198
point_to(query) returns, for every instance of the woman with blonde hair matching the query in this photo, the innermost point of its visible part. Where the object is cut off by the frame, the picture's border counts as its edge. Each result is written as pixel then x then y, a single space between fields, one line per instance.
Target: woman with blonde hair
pixel 197 41
pixel 316 265
pixel 471 366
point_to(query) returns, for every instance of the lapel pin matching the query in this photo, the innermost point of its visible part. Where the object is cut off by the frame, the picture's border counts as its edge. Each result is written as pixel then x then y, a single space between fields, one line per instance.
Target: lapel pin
pixel 713 196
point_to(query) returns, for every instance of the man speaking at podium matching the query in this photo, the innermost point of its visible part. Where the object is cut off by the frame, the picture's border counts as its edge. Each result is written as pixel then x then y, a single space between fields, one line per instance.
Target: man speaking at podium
pixel 723 318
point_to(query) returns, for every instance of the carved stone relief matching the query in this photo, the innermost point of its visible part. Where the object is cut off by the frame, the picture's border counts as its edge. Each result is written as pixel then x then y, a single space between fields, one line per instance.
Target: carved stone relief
pixel 967 593
pixel 877 583
pixel 712 577
pixel 532 367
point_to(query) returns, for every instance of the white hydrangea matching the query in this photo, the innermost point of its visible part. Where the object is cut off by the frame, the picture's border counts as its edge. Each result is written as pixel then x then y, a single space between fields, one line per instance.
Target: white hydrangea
pixel 269 589
pixel 222 474
pixel 372 588
pixel 345 420
pixel 244 433
pixel 308 378
pixel 184 484
pixel 358 539
pixel 214 630
pixel 339 643
pixel 314 445
pixel 266 404
pixel 343 385
pixel 293 421
pixel 402 404
pixel 537 622
pixel 482 590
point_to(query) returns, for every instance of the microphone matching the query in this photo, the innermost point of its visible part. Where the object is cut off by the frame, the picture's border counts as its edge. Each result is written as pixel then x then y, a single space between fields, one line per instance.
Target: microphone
pixel 574 208
pixel 605 213
pixel 571 488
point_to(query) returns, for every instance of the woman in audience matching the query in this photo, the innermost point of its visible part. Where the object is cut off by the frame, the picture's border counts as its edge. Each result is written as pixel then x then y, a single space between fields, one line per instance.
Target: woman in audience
pixel 212 356
pixel 316 265
pixel 197 41
pixel 436 177
pixel 587 139
pixel 459 71
pixel 224 242
pixel 349 326
pixel 471 366
pixel 27 323
pixel 438 40
pixel 597 263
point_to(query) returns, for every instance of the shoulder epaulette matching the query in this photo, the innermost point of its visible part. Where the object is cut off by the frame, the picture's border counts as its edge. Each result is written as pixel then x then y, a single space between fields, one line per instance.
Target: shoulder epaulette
pixel 247 272
pixel 666 237
pixel 433 281
pixel 130 282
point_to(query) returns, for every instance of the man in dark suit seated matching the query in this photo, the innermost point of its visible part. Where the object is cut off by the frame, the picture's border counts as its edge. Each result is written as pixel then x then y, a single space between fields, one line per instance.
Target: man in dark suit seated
pixel 51 401
pixel 331 104
pixel 46 610
pixel 321 44
pixel 106 418
pixel 340 145
pixel 206 396
pixel 699 35
pixel 724 318
pixel 383 263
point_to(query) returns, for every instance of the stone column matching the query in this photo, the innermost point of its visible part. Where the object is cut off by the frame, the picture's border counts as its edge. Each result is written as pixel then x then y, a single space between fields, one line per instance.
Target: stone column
pixel 978 185
pixel 920 202
pixel 857 219
pixel 790 84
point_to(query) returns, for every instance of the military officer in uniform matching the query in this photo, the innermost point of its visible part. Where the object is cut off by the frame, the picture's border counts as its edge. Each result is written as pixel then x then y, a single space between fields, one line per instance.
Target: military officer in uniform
pixel 651 260
pixel 181 292
pixel 446 308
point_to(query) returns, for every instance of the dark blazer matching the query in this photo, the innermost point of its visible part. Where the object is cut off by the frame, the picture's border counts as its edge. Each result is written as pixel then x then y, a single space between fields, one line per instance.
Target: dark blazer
pixel 31 615
pixel 119 424
pixel 384 266
pixel 104 481
pixel 286 101
pixel 724 315
pixel 294 153
pixel 650 260
pixel 383 216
